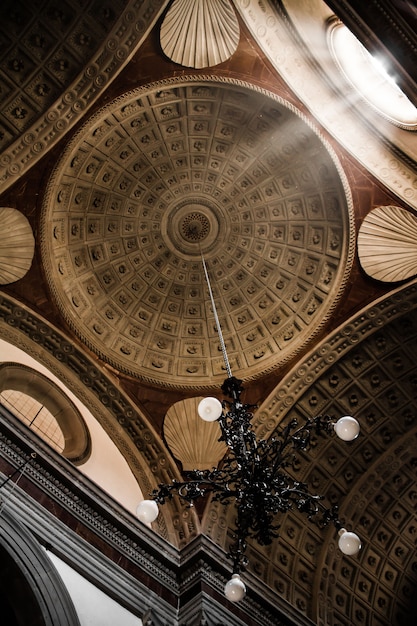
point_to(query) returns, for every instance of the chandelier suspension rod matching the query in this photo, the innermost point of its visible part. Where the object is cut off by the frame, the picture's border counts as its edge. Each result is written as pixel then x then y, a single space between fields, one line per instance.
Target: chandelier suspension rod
pixel 216 318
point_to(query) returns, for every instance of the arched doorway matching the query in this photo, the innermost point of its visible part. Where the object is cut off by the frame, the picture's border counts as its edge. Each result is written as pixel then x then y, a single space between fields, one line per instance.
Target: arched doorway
pixel 31 590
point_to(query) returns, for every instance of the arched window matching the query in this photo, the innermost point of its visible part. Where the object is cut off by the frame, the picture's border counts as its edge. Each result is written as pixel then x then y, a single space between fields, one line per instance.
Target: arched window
pixel 369 77
pixel 36 416
pixel 42 406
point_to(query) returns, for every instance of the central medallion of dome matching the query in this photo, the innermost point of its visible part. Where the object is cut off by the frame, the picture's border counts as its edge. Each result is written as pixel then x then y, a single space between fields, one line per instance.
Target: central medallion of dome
pixel 192 227
pixel 187 167
pixel 195 227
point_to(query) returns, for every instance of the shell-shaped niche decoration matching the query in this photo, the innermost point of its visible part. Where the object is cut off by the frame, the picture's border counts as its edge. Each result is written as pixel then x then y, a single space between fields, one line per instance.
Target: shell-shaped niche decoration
pixel 17 245
pixel 200 33
pixel 387 244
pixel 191 440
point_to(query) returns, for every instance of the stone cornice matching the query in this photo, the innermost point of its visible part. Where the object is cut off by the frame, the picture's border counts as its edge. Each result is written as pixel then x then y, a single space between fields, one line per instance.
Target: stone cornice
pixel 76 499
pixel 134 566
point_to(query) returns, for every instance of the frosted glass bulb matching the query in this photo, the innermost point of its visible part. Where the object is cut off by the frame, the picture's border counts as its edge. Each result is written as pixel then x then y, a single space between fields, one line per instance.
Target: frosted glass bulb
pixel 347 428
pixel 210 409
pixel 349 543
pixel 235 589
pixel 147 511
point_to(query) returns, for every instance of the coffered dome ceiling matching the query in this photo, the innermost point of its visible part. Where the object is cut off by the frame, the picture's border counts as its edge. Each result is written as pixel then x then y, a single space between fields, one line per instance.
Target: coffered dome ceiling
pixel 179 169
pixel 157 166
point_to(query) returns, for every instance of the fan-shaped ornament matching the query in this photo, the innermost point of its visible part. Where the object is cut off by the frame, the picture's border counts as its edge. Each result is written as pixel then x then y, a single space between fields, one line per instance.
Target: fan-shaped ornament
pixel 17 245
pixel 387 244
pixel 192 440
pixel 200 33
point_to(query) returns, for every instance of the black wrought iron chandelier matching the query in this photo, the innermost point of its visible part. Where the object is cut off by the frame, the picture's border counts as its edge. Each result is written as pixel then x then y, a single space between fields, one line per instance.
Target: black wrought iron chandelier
pixel 254 474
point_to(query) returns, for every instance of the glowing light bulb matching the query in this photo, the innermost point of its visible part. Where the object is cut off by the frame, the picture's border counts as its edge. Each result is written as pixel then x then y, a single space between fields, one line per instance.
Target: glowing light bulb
pixel 347 428
pixel 147 511
pixel 235 589
pixel 349 543
pixel 210 409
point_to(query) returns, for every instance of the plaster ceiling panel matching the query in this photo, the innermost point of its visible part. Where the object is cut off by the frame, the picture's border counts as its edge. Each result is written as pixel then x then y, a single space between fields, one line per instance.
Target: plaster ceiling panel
pixel 372 479
pixel 55 59
pixel 127 215
pixel 47 44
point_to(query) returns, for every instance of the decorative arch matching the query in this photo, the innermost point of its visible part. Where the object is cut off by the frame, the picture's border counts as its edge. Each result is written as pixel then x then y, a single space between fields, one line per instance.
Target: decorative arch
pixel 378 345
pixel 147 457
pixel 122 33
pixel 26 380
pixel 34 590
pixel 262 18
pixel 384 500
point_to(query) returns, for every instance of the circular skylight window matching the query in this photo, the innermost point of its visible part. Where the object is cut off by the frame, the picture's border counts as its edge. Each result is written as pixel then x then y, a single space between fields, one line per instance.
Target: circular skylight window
pixel 370 78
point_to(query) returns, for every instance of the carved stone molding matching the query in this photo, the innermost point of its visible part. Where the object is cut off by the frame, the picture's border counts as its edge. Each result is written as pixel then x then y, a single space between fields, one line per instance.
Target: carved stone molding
pixel 376 346
pixel 47 600
pixel 382 581
pixel 142 572
pixel 339 343
pixel 80 49
pixel 28 381
pixel 98 513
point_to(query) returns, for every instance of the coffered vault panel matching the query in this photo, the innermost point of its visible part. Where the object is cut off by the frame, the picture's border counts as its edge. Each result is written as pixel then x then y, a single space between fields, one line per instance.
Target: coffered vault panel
pixel 179 168
pixel 368 369
pixel 56 57
pixel 44 46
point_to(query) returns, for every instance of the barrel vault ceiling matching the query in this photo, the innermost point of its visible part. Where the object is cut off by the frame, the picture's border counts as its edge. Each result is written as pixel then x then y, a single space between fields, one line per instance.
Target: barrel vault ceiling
pixel 131 156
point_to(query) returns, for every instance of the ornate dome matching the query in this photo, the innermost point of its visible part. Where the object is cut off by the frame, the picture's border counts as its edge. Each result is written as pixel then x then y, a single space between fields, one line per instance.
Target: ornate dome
pixel 170 172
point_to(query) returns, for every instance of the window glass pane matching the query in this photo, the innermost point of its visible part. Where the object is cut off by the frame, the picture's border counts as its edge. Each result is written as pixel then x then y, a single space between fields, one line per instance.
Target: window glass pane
pixel 34 415
pixel 369 77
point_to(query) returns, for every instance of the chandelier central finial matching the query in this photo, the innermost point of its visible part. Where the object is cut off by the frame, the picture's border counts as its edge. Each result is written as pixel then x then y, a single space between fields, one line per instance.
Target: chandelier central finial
pixel 255 475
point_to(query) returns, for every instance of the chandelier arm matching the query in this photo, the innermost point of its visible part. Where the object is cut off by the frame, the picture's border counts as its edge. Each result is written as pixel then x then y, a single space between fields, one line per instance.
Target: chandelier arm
pixel 236 426
pixel 277 449
pixel 299 438
pixel 238 548
pixel 319 423
pixel 194 489
pixel 329 514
